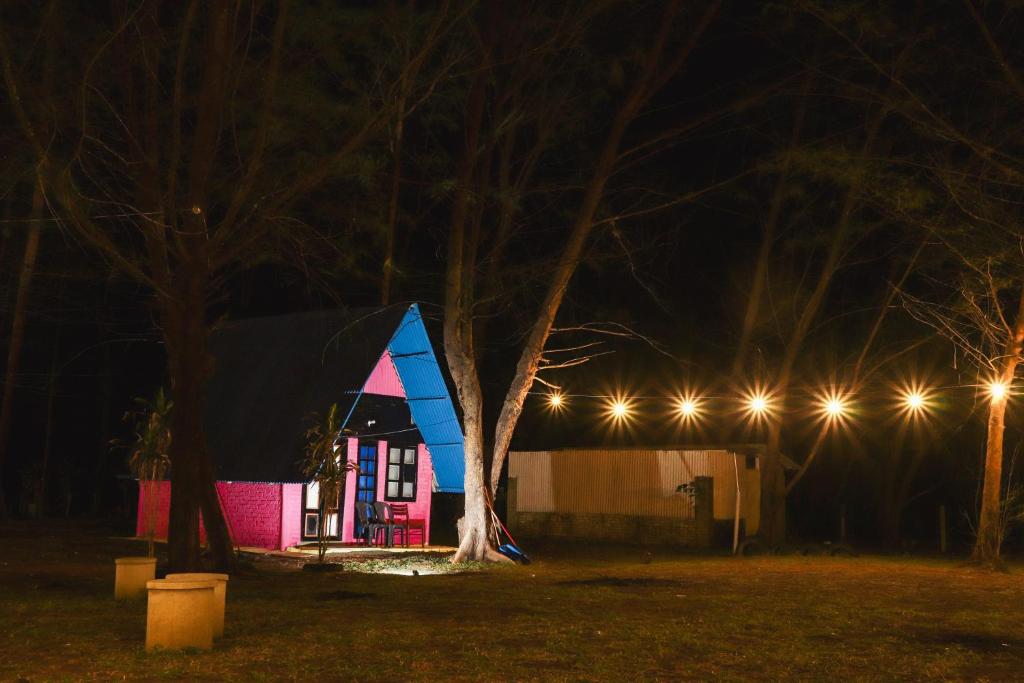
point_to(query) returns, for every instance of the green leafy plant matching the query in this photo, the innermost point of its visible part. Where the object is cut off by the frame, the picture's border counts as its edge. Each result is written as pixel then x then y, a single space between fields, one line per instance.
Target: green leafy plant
pixel 148 458
pixel 327 467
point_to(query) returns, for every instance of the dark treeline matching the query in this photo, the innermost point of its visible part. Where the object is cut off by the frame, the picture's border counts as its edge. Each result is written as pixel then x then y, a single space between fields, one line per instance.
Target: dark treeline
pixel 644 199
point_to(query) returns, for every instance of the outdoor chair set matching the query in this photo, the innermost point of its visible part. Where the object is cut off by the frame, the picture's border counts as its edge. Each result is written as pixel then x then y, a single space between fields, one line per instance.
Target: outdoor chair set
pixel 380 521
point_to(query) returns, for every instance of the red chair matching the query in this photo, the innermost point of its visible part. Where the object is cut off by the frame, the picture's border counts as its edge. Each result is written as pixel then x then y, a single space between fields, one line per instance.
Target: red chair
pixel 402 523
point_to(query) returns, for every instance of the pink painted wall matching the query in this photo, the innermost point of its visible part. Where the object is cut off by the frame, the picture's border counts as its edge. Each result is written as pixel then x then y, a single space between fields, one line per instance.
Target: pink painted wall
pixel 269 515
pixel 348 512
pixel 253 513
pixel 384 379
pixel 258 515
pixel 291 515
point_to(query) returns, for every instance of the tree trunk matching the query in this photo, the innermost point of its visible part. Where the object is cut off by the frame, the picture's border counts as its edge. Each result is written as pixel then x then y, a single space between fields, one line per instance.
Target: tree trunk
pixel 990 519
pixel 192 478
pixel 28 267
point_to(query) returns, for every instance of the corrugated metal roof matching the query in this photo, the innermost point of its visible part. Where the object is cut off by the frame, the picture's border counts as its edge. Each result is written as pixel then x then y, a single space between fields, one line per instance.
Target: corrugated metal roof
pixel 429 401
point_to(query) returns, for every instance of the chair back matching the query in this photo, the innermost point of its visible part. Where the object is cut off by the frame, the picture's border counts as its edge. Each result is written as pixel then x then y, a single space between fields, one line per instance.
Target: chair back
pixel 399 510
pixel 365 513
pixel 383 512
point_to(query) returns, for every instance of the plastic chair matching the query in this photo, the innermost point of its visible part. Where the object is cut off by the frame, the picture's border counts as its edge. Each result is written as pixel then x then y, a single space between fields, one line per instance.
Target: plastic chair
pixel 368 522
pixel 405 525
pixel 386 520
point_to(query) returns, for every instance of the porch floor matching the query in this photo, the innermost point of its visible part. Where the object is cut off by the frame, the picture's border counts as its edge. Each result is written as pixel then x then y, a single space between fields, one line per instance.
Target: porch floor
pixel 362 551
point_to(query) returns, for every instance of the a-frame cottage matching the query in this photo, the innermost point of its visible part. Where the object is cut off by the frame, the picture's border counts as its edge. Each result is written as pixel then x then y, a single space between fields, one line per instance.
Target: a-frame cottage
pixel 270 374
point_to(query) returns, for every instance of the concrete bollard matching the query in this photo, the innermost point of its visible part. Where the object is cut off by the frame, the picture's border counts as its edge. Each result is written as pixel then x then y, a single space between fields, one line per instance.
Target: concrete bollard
pixel 178 614
pixel 131 575
pixel 220 594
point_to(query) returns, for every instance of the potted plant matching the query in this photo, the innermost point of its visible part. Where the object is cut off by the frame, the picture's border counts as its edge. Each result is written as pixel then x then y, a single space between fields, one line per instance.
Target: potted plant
pixel 328 468
pixel 148 459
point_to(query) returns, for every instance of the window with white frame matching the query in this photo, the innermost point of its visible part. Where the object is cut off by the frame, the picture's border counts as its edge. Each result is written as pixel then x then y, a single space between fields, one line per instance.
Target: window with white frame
pixel 401 482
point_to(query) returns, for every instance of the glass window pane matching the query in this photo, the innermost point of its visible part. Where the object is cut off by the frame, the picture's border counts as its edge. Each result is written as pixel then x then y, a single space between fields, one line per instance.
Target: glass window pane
pixel 392 489
pixel 311 524
pixel 394 455
pixel 407 490
pixel 312 496
pixel 410 456
pixel 332 524
pixel 394 472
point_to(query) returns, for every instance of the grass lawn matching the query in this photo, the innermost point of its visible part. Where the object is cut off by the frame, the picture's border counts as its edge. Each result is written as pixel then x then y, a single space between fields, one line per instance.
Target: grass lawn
pixel 581 615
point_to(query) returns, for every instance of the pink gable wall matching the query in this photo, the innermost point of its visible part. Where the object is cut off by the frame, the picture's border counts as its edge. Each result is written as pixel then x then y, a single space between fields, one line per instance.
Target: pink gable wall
pixel 384 379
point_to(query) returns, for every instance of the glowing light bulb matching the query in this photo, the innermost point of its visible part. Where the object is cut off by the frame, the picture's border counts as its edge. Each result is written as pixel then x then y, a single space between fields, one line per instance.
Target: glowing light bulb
pixel 687 407
pixel 619 409
pixel 757 404
pixel 834 407
pixel 997 391
pixel 914 400
pixel 555 400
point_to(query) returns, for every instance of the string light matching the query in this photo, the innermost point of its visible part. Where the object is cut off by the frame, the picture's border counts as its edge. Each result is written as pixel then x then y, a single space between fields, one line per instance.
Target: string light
pixel 556 400
pixel 619 409
pixel 688 407
pixel 916 400
pixel 997 390
pixel 758 404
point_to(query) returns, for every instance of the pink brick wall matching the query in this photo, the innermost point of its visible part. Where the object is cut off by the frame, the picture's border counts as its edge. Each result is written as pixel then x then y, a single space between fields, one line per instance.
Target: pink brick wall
pixel 253 512
pixel 384 379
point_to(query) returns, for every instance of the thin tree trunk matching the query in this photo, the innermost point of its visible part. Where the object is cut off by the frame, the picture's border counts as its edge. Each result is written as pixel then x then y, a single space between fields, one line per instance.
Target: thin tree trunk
pixel 990 519
pixel 28 267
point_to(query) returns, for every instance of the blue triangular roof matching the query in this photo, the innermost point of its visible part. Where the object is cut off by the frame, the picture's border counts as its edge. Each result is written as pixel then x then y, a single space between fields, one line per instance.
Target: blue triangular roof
pixel 271 373
pixel 429 401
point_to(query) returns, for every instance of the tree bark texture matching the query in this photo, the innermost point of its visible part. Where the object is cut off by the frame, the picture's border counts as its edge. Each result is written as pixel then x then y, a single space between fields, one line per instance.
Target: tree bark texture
pixel 991 519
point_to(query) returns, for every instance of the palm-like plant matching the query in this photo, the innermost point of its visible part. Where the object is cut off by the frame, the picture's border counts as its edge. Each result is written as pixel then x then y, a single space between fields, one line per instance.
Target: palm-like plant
pixel 327 467
pixel 149 459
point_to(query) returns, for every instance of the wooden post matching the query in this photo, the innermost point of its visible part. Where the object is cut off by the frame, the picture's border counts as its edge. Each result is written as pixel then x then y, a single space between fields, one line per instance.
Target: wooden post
pixel 942 529
pixel 736 512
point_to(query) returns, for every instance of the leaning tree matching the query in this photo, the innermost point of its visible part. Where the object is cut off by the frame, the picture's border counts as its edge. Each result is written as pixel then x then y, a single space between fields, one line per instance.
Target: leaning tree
pixel 531 103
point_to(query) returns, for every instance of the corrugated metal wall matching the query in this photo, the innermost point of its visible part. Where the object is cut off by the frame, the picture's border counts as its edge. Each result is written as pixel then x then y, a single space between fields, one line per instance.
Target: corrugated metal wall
pixel 632 482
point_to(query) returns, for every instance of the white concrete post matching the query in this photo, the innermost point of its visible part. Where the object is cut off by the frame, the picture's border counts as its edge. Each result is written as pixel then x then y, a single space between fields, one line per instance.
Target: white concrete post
pixel 131 575
pixel 220 593
pixel 178 614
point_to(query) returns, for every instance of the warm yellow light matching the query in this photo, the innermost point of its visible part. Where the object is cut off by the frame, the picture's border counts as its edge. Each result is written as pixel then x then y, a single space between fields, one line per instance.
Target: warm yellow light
pixel 757 404
pixel 835 407
pixel 687 407
pixel 914 400
pixel 555 400
pixel 619 409
pixel 997 391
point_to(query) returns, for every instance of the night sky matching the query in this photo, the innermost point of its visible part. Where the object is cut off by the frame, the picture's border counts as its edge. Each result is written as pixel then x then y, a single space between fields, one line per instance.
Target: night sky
pixel 679 275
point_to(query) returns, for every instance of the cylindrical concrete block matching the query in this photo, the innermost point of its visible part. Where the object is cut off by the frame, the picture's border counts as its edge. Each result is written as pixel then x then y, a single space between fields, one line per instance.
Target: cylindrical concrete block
pixel 220 594
pixel 178 614
pixel 131 575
